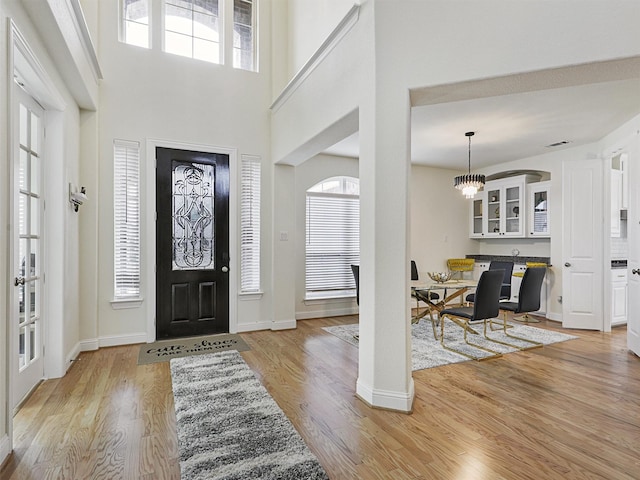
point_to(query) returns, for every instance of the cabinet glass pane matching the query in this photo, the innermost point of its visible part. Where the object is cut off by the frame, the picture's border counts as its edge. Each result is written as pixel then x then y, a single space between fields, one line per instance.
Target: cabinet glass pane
pixel 540 213
pixel 493 216
pixel 477 216
pixel 512 210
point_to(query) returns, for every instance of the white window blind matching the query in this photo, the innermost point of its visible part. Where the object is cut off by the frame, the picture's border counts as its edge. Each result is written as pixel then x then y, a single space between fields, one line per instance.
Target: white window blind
pixel 126 208
pixel 332 242
pixel 250 224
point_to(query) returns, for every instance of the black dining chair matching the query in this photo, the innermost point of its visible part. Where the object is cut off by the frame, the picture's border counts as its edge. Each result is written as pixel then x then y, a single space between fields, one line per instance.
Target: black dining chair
pixel 505 290
pixel 355 269
pixel 424 296
pixel 484 308
pixel 528 296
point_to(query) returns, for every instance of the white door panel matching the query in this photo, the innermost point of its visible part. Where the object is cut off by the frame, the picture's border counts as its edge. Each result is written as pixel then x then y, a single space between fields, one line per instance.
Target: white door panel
pixel 633 261
pixel 582 244
pixel 27 241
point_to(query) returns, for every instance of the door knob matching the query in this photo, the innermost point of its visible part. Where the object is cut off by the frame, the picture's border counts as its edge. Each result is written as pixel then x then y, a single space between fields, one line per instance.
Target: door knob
pixel 225 269
pixel 567 264
pixel 18 281
pixel 636 271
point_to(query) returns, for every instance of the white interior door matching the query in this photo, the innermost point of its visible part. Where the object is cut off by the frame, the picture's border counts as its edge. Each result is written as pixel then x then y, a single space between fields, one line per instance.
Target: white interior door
pixel 27 247
pixel 582 244
pixel 633 260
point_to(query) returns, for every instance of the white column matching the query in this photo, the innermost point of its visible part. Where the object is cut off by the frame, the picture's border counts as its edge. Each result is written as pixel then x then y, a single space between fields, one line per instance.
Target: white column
pixel 384 376
pixel 284 273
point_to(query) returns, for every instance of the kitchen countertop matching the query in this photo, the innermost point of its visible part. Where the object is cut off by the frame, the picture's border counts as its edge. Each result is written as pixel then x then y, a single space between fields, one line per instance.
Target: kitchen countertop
pixel 510 258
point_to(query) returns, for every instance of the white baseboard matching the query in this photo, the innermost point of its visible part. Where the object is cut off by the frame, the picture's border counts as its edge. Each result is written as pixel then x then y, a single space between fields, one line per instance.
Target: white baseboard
pixel 253 327
pixel 398 401
pixel 89 345
pixel 336 312
pixel 5 448
pixel 116 340
pixel 72 355
pixel 556 317
pixel 283 324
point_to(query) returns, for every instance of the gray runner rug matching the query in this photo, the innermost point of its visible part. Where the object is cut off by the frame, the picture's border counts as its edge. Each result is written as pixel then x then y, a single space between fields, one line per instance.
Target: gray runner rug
pixel 165 350
pixel 230 428
pixel 426 351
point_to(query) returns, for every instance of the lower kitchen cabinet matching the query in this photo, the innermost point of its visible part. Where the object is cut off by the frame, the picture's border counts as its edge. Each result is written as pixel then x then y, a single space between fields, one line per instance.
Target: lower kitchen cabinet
pixel 618 296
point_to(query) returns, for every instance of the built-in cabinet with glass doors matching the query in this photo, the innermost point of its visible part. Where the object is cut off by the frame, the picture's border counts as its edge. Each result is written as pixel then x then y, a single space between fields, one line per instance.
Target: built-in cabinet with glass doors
pixel 511 207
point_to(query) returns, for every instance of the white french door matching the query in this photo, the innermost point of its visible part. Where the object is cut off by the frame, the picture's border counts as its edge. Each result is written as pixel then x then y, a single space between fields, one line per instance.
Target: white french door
pixel 27 216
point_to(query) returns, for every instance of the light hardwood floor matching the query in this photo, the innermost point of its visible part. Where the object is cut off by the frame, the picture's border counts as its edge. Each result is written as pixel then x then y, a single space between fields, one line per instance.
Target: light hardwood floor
pixel 566 411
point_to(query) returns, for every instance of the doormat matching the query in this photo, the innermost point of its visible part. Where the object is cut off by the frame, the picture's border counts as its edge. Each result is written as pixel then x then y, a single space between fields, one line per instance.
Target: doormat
pixel 165 350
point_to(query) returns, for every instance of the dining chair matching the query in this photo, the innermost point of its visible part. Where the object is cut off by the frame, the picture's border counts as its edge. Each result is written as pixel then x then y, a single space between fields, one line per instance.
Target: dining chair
pixel 355 269
pixel 484 308
pixel 505 290
pixel 528 296
pixel 423 296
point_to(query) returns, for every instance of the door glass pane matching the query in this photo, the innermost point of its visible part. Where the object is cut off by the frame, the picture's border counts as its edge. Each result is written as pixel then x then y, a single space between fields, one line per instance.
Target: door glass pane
pixel 33 291
pixel 22 268
pixel 22 360
pixel 34 266
pixel 21 297
pixel 477 216
pixel 24 131
pixel 22 212
pixel 35 216
pixel 35 175
pixel 23 170
pixel 35 129
pixel 193 236
pixel 32 342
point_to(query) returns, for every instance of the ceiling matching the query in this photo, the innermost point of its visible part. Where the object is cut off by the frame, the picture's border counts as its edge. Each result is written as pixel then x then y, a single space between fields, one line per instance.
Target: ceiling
pixel 514 126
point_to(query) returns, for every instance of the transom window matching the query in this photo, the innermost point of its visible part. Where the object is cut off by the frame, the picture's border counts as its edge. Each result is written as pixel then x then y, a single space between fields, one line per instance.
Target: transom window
pixel 195 29
pixel 135 22
pixel 192 29
pixel 332 238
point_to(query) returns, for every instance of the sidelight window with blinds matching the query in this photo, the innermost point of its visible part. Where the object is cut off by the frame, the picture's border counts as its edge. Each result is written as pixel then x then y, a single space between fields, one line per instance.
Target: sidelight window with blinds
pixel 332 238
pixel 250 224
pixel 126 208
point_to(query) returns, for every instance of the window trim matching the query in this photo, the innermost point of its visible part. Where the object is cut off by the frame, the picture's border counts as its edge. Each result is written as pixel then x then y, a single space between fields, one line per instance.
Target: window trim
pixel 121 300
pixel 250 197
pixel 340 291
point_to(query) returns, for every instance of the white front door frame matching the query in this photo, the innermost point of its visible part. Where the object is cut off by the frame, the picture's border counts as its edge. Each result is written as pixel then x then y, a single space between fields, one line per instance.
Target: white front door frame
pixel 149 236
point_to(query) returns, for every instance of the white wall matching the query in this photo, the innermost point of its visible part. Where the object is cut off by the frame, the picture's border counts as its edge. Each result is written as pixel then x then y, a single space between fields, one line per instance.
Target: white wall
pixel 310 23
pixel 61 237
pixel 439 219
pixel 150 94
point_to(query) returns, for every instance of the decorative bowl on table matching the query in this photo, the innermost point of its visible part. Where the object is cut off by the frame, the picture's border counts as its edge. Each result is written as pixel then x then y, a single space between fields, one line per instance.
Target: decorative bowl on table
pixel 440 277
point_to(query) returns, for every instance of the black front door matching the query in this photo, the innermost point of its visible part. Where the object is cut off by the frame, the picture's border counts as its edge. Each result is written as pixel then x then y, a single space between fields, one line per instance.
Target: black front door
pixel 192 243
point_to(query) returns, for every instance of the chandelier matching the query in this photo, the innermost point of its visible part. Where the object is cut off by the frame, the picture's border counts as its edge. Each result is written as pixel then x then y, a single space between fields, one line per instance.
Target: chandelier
pixel 469 183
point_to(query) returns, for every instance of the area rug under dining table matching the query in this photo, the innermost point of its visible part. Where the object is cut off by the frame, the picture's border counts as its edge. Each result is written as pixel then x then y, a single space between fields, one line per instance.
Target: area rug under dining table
pixel 426 351
pixel 230 428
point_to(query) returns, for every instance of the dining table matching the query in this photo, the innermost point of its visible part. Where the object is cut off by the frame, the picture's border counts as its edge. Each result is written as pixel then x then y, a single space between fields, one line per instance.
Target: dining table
pixel 420 289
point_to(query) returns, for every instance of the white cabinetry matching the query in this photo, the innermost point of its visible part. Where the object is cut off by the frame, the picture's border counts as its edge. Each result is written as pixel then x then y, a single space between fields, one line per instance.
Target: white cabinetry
pixel 618 296
pixel 500 210
pixel 477 226
pixel 538 209
pixel 504 209
pixel 616 201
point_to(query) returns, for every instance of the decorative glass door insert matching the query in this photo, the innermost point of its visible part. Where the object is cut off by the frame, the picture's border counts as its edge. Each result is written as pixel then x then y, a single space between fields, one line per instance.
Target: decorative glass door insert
pixel 193 210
